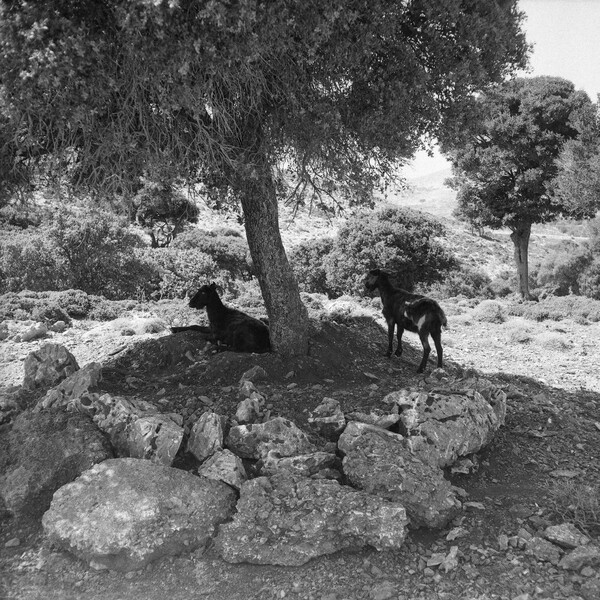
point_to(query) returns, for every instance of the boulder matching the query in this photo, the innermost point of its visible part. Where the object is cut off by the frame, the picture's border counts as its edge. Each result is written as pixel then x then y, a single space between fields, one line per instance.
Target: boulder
pixel 224 466
pixel 257 440
pixel 286 520
pixel 125 512
pixel 206 436
pixel 385 464
pixel 250 410
pixel 74 387
pixel 566 535
pixel 48 366
pixel 327 419
pixel 582 556
pixel 35 332
pixel 455 424
pixel 134 427
pixel 42 452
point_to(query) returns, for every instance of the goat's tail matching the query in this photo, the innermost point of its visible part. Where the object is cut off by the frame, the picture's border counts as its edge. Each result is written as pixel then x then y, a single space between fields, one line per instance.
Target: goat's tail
pixel 443 319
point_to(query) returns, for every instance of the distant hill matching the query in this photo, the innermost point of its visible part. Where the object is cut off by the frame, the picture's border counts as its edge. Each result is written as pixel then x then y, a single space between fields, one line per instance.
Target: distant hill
pixel 428 194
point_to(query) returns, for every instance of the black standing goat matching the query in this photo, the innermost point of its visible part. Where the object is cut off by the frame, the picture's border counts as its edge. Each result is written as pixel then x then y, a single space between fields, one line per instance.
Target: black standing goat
pixel 413 312
pixel 231 327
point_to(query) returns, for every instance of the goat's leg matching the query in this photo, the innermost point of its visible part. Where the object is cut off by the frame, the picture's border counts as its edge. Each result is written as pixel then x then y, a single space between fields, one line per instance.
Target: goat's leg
pixel 399 347
pixel 424 335
pixel 437 340
pixel 391 323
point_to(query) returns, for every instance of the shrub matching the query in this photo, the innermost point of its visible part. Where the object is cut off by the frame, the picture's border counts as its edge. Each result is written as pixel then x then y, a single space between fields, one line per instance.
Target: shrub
pixel 307 261
pixel 398 240
pixel 503 284
pixel 518 333
pixel 227 248
pixel 53 306
pixel 99 254
pixel 28 261
pixel 183 271
pixel 465 281
pixel 489 311
pixel 556 308
pixel 561 269
pixel 576 502
pixel 589 280
pixel 50 313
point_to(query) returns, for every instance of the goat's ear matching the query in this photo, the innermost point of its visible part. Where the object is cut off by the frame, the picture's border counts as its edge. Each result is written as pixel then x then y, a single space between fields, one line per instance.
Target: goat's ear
pixel 213 286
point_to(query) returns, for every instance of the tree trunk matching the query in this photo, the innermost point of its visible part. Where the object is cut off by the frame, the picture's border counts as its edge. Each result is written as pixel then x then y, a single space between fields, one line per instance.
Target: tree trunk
pixel 520 238
pixel 288 318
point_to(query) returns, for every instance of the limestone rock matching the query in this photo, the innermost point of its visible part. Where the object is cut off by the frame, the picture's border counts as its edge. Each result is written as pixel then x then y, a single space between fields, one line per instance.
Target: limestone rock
pixel 327 419
pixel 582 556
pixel 74 387
pixel 206 436
pixel 135 428
pixel 305 465
pixel 566 535
pixel 224 466
pixel 383 463
pixel 254 374
pixel 543 550
pixel 42 452
pixel 284 520
pixel 278 434
pixel 250 410
pixel 35 332
pixel 47 366
pixel 124 513
pixel 455 424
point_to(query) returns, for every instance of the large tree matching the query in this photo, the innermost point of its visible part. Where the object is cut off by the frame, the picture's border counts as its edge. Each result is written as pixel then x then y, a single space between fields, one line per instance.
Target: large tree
pixel 577 183
pixel 226 90
pixel 504 149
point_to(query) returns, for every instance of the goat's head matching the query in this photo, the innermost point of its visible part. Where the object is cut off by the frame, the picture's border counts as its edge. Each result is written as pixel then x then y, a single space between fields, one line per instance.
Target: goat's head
pixel 203 296
pixel 372 279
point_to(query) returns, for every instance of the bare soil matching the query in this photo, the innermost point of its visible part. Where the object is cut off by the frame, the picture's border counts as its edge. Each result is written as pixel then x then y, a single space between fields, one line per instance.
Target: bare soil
pixel 551 435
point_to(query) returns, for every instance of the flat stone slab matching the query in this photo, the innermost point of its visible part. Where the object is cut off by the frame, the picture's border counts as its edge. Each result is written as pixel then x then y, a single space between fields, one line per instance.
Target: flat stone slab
pixel 285 520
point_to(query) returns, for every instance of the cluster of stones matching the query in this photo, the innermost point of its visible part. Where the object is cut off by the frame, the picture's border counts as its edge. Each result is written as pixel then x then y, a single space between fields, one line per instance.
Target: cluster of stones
pixel 266 491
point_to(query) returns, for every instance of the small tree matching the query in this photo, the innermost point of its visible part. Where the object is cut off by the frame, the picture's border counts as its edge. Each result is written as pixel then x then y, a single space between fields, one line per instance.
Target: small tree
pixel 503 147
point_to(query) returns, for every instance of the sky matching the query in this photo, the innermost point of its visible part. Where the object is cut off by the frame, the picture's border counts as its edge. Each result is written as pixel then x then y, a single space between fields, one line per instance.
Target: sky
pixel 566 39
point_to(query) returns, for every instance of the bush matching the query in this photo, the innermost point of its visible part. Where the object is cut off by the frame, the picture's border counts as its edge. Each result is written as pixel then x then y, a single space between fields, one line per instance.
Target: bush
pixel 308 262
pixel 50 313
pixel 464 281
pixel 561 269
pixel 99 254
pixel 225 246
pixel 556 308
pixel 183 271
pixel 29 261
pixel 489 311
pixel 395 239
pixel 589 280
pixel 53 306
pixel 503 284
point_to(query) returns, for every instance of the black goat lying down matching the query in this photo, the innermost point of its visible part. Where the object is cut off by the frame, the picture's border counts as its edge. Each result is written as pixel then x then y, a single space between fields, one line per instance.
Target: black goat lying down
pixel 231 327
pixel 413 312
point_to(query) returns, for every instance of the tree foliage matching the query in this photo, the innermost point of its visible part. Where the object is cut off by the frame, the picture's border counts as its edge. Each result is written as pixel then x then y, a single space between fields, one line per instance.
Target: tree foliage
pixel 504 148
pixel 110 88
pixel 577 183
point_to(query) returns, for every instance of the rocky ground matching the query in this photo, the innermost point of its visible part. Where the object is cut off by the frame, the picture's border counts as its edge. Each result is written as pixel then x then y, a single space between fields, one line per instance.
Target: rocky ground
pixel 548 448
